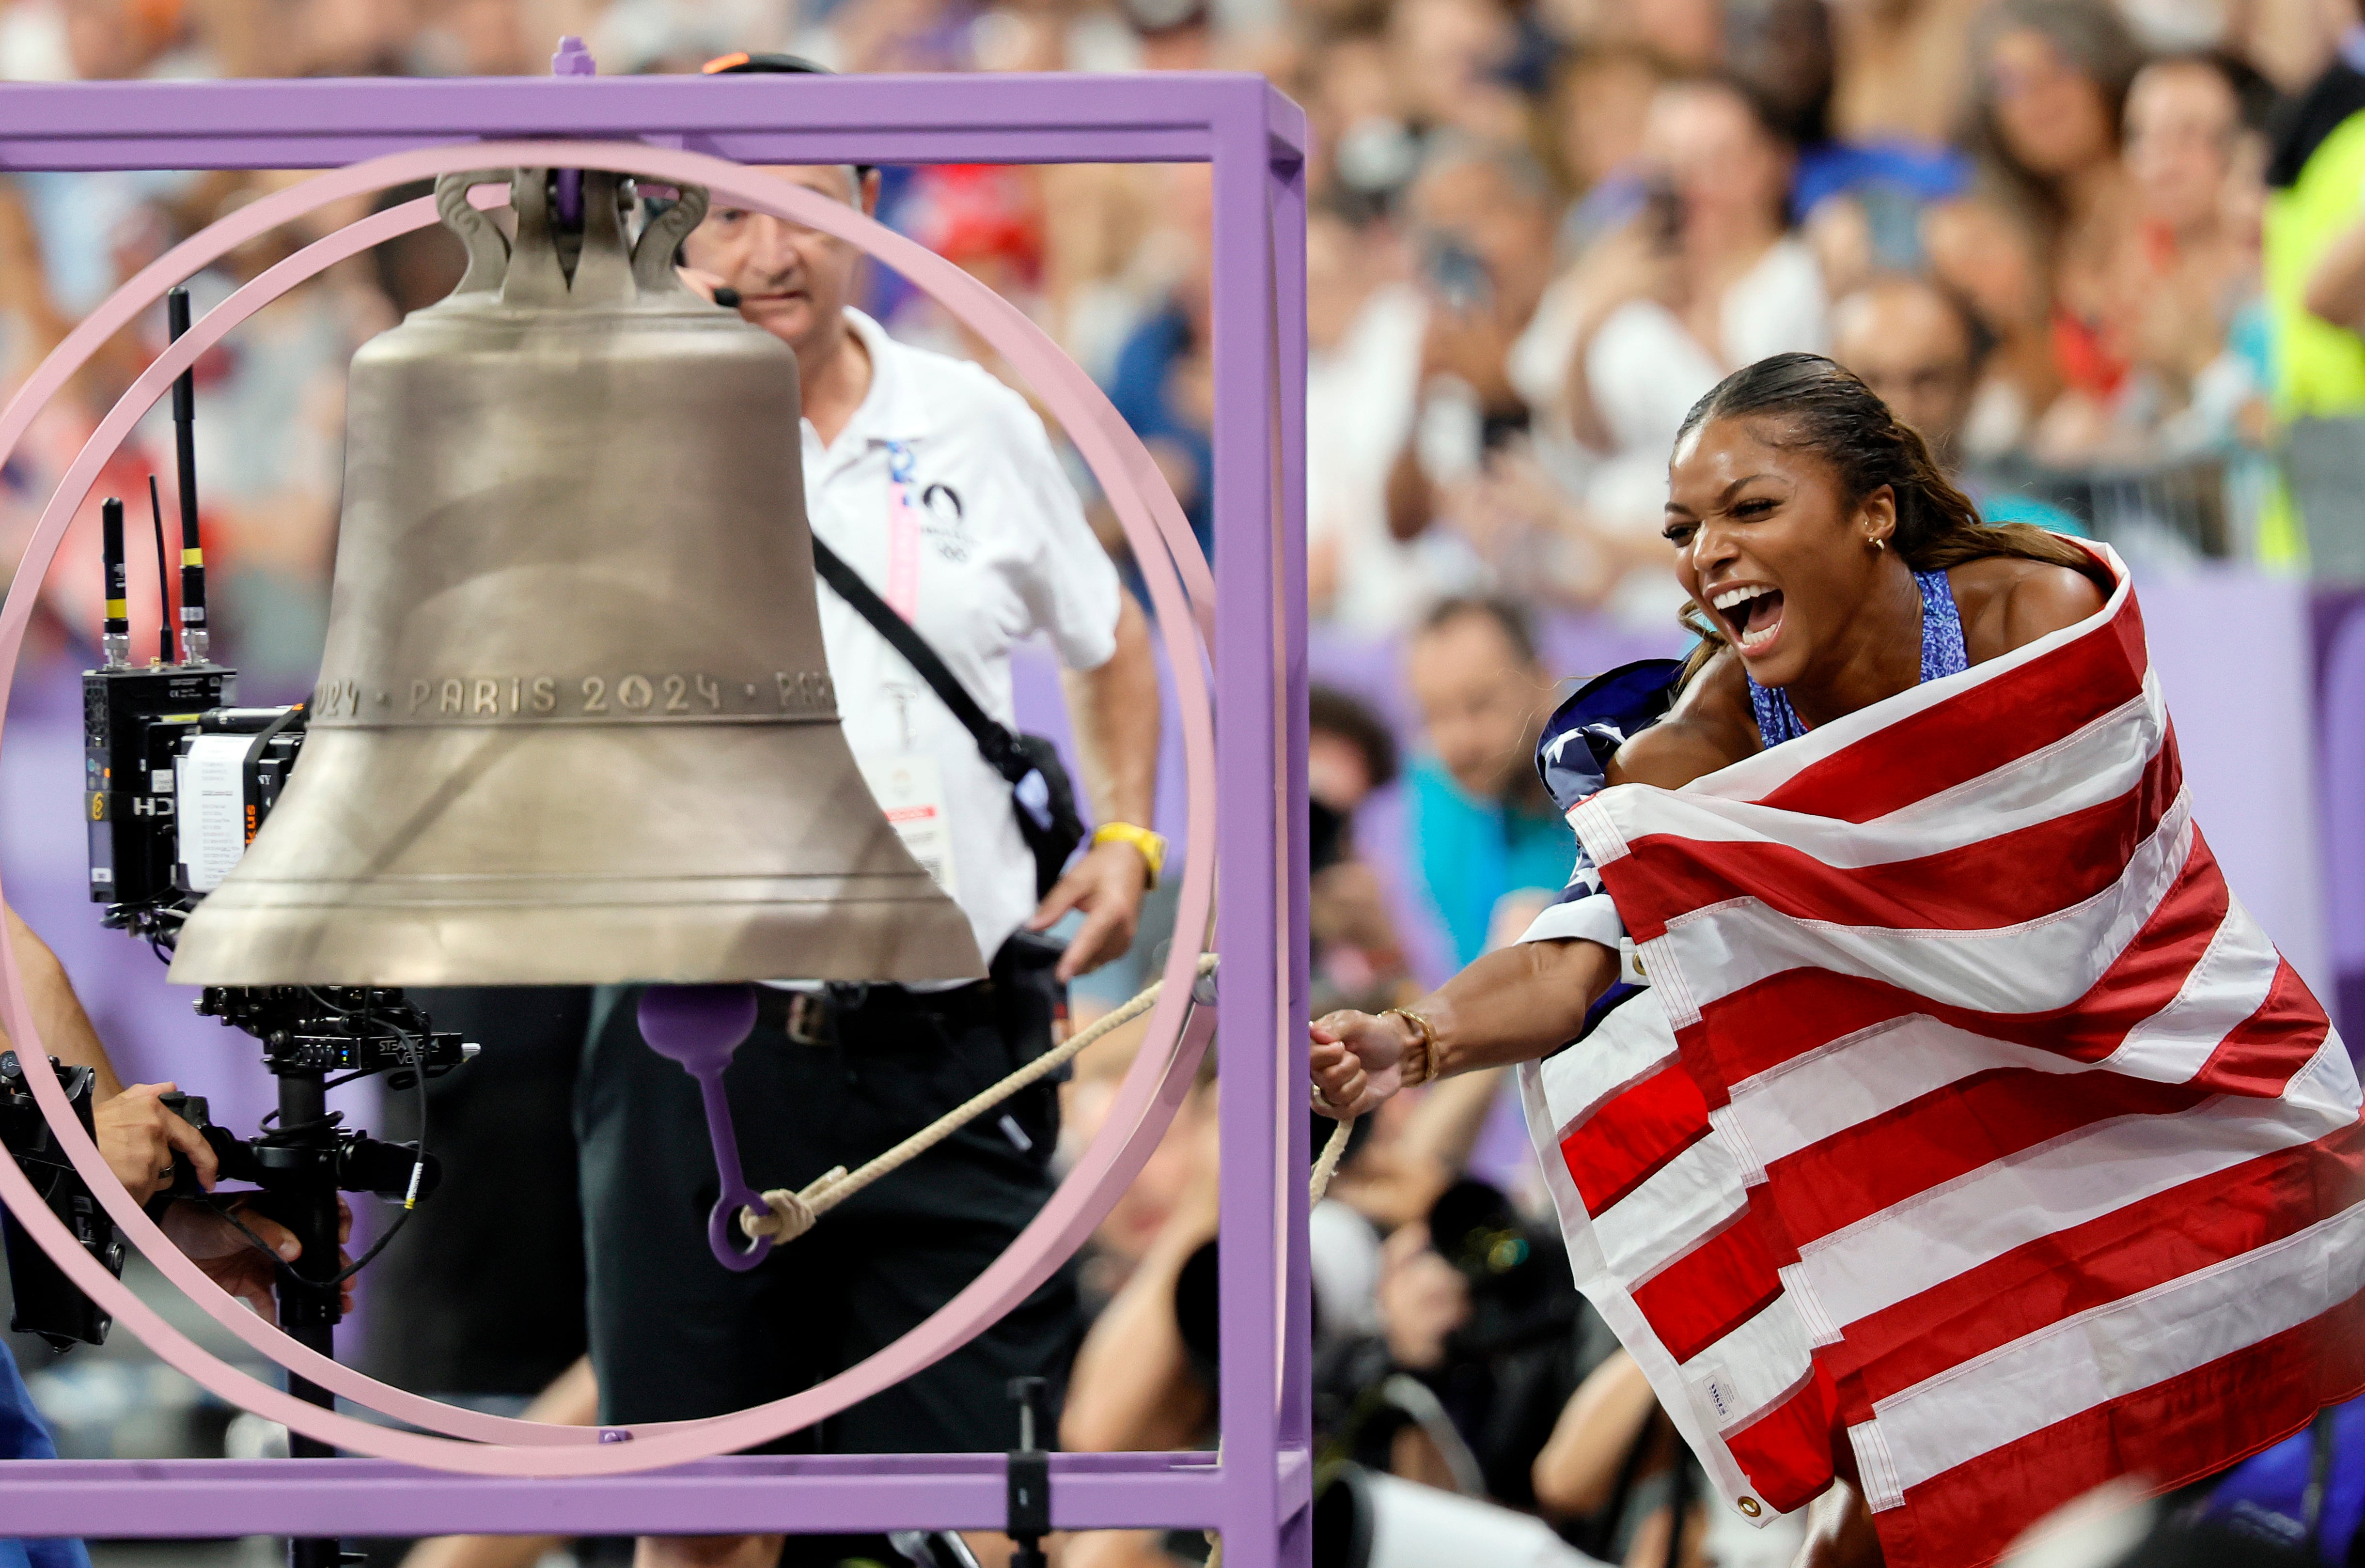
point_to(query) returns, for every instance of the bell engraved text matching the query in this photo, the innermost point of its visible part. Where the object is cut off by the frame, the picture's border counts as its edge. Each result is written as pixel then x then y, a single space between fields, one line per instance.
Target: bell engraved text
pixel 788 696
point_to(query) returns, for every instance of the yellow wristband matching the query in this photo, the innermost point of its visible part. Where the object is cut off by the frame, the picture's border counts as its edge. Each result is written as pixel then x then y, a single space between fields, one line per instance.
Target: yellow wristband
pixel 1150 846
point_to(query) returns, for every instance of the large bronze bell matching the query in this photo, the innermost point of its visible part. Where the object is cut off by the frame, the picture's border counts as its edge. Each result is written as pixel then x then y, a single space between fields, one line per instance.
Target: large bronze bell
pixel 574 722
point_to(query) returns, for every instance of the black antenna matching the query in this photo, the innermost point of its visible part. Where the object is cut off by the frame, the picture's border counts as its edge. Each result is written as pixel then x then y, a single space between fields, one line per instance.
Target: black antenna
pixel 115 638
pixel 193 634
pixel 166 651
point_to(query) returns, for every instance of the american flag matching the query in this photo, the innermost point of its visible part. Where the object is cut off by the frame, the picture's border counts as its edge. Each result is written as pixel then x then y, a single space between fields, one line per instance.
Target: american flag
pixel 1969 1122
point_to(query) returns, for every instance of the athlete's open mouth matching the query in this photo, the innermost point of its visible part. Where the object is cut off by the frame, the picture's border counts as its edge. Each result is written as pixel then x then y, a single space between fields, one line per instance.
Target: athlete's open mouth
pixel 1754 612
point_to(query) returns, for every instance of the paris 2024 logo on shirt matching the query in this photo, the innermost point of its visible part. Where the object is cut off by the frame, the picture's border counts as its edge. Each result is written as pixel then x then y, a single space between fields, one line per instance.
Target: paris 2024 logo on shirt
pixel 943 522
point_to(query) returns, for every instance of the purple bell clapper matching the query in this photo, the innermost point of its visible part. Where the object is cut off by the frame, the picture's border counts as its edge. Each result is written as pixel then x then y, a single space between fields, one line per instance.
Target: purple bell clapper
pixel 700 1027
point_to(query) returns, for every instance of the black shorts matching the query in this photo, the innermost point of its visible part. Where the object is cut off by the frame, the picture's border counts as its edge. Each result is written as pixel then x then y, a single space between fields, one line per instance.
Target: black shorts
pixel 676 1336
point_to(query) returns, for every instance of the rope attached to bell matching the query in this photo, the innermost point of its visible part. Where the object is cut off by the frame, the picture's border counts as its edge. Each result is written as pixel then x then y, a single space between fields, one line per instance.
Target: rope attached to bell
pixel 788 1215
pixel 1326 1165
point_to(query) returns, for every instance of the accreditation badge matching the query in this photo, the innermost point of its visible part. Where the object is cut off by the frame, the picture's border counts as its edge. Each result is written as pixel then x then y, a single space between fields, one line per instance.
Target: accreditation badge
pixel 910 789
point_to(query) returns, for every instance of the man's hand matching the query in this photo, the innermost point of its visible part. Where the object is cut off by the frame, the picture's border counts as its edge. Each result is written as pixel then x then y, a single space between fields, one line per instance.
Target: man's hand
pixel 136 1135
pixel 1357 1062
pixel 210 1241
pixel 1107 885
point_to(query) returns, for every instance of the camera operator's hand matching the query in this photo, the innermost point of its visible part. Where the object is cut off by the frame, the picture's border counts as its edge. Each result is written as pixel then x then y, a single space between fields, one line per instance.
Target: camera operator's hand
pixel 209 1240
pixel 1357 1061
pixel 137 1136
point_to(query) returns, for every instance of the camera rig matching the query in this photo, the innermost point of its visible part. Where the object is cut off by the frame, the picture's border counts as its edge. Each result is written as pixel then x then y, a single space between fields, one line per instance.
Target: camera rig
pixel 46 1303
pixel 177 781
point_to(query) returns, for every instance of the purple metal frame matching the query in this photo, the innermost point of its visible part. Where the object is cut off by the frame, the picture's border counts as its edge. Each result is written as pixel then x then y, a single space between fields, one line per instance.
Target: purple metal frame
pixel 1258 1494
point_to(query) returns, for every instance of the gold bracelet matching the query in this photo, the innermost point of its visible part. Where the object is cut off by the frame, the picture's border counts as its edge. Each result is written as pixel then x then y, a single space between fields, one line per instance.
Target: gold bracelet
pixel 1420 1059
pixel 1150 845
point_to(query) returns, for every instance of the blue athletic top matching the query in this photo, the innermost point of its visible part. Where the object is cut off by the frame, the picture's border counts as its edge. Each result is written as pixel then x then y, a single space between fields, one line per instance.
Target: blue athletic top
pixel 1942 653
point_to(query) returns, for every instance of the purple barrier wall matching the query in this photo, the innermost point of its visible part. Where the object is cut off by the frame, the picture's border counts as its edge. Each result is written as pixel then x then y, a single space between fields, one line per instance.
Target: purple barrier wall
pixel 2339 624
pixel 2232 655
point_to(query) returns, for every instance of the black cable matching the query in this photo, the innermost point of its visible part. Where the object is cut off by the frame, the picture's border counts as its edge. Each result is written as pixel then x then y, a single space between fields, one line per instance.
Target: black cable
pixel 412 1050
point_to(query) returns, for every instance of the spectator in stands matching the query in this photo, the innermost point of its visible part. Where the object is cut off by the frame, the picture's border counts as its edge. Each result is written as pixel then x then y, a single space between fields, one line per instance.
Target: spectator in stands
pixel 1364 328
pixel 1899 68
pixel 1685 36
pixel 1348 754
pixel 1996 265
pixel 1593 121
pixel 1786 50
pixel 2197 152
pixel 1450 59
pixel 1482 827
pixel 2316 238
pixel 1481 220
pixel 2052 83
pixel 1350 751
pixel 1163 381
pixel 1918 345
pixel 1707 277
pixel 2315 267
pixel 2184 307
pixel 1857 196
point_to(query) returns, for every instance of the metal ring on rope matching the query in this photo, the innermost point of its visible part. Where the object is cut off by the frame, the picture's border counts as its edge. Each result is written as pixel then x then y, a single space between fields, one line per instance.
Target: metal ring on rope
pixel 1181 590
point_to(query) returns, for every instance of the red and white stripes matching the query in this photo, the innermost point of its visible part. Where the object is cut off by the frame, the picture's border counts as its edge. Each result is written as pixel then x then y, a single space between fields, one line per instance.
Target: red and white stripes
pixel 1968 1114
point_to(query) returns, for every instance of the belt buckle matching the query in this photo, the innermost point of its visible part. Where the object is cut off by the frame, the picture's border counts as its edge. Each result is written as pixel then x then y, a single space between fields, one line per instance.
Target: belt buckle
pixel 810 1022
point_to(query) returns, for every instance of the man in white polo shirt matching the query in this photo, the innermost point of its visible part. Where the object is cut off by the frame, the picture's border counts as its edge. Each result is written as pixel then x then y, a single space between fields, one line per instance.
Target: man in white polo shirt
pixel 940 487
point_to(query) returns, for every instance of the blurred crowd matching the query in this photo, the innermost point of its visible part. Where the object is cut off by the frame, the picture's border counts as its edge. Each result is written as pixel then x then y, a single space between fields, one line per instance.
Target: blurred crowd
pixel 1538 232
pixel 2045 230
